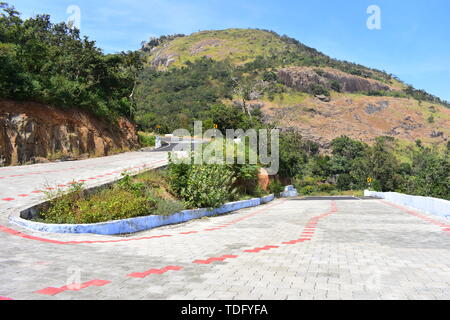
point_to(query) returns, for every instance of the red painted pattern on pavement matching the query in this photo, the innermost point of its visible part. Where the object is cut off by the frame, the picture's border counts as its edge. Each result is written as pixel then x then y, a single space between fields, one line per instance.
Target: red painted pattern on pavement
pixel 154 271
pixel 49 171
pixel 190 232
pixel 257 250
pixel 308 230
pixel 24 235
pixel 5 298
pixel 83 180
pixel 51 291
pixel 211 260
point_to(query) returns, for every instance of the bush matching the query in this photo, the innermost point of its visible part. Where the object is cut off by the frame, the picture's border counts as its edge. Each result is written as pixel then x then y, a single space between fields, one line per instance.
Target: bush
pixel 318 89
pixel 146 139
pixel 336 86
pixel 344 182
pixel 143 195
pixel 109 204
pixel 209 186
pixel 300 183
pixel 166 207
pixel 326 187
pixel 276 187
pixel 308 190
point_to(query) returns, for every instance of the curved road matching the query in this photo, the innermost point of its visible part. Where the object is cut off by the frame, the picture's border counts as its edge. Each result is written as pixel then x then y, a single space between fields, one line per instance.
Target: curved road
pixel 23 186
pixel 288 249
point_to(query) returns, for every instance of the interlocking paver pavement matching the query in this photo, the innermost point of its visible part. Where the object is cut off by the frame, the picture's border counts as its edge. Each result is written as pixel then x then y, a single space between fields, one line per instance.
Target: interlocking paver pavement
pixel 24 186
pixel 287 249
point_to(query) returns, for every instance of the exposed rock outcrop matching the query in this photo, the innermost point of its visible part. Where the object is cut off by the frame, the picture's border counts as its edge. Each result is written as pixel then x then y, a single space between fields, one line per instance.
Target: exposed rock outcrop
pixel 33 132
pixel 301 78
pixel 374 108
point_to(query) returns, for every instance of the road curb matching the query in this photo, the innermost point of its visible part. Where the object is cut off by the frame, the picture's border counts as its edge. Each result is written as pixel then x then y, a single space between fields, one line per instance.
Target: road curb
pixel 137 224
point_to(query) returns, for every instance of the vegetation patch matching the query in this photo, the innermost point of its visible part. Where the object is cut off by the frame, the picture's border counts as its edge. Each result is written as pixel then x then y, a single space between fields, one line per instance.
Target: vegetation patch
pixel 146 139
pixel 142 195
pixel 180 187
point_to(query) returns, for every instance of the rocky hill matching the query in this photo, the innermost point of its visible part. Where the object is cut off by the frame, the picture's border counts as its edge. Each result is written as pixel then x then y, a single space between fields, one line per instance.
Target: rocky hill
pixel 32 133
pixel 303 89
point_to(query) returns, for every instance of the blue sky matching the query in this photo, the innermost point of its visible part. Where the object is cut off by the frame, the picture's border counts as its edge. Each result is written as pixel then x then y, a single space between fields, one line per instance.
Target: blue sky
pixel 413 43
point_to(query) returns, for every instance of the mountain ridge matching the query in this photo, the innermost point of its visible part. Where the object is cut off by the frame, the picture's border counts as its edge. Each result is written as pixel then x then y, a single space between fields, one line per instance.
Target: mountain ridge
pixel 295 77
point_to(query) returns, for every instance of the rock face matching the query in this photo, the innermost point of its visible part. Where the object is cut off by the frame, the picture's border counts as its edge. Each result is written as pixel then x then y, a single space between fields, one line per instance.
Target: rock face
pixel 33 132
pixel 380 106
pixel 301 78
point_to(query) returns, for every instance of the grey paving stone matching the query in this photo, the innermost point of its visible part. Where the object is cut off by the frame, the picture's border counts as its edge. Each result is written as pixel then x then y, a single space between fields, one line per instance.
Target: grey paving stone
pixel 367 250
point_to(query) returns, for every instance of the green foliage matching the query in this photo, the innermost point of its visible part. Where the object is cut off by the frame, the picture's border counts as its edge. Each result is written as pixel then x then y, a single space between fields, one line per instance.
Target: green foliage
pixel 384 166
pixel 51 63
pixel 173 99
pixel 166 207
pixel 275 187
pixel 353 162
pixel 208 186
pixel 429 174
pixel 146 140
pixel 178 174
pixel 326 187
pixel 294 153
pixel 318 89
pixel 109 204
pixel 344 182
pixel 336 86
pixel 211 185
pixel 422 95
pixel 131 197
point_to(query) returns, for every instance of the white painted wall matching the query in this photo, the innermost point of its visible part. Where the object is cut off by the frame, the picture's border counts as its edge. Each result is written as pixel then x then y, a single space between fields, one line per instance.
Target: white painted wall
pixel 434 206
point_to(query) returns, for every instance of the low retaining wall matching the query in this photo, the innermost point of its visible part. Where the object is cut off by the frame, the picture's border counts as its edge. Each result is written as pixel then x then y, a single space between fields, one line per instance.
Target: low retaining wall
pixel 434 206
pixel 140 223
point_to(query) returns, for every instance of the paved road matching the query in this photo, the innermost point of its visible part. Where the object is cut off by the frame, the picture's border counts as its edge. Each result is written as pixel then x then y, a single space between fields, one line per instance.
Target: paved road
pixel 288 249
pixel 24 186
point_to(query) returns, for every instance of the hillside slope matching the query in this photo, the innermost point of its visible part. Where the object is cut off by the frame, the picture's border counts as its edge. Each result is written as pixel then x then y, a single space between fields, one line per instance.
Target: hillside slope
pixel 32 132
pixel 302 88
pixel 359 117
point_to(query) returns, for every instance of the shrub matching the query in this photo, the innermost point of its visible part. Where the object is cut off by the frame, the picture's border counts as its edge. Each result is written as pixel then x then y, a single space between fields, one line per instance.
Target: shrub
pixel 209 186
pixel 300 183
pixel 109 204
pixel 318 89
pixel 259 192
pixel 146 140
pixel 166 207
pixel 344 181
pixel 325 187
pixel 178 174
pixel 308 190
pixel 336 86
pixel 276 187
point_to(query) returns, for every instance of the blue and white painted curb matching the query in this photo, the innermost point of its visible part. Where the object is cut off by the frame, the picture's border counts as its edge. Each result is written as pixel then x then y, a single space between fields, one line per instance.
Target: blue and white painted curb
pixel 438 207
pixel 139 223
